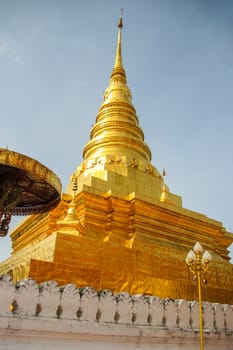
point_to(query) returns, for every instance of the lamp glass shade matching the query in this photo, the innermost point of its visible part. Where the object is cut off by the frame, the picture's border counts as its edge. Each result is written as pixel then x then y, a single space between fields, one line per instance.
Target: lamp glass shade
pixel 197 248
pixel 191 257
pixel 207 257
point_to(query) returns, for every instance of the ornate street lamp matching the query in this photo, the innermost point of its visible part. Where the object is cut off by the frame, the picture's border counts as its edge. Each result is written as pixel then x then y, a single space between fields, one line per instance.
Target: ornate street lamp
pixel 26 187
pixel 198 262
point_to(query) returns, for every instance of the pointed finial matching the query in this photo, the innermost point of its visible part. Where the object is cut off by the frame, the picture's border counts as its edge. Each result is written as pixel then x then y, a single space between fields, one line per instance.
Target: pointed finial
pixel 118 60
pixel 164 172
pixel 164 194
pixel 120 23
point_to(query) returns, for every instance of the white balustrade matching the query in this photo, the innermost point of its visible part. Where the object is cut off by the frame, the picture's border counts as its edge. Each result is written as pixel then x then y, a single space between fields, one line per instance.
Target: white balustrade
pixel 27 298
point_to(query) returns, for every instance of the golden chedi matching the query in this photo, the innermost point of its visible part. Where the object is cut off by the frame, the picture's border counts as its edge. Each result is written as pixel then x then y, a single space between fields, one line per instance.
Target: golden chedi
pixel 119 227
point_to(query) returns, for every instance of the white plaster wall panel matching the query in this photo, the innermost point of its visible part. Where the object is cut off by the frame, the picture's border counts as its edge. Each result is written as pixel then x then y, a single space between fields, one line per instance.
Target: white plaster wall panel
pixel 49 299
pixel 140 309
pixel 7 294
pixel 156 311
pixel 107 306
pixel 124 308
pixel 184 314
pixel 170 314
pixel 208 316
pixel 27 297
pixel 89 304
pixel 70 302
pixel 194 315
pixel 229 316
pixel 219 316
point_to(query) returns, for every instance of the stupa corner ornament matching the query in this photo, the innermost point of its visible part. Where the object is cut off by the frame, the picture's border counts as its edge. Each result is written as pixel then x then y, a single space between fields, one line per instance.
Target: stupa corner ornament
pixel 70 222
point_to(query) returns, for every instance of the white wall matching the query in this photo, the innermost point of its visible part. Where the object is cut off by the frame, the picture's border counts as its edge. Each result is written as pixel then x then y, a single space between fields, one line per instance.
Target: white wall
pixel 50 317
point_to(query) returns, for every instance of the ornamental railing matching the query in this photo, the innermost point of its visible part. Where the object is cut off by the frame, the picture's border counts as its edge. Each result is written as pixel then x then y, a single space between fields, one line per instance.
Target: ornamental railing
pixel 27 298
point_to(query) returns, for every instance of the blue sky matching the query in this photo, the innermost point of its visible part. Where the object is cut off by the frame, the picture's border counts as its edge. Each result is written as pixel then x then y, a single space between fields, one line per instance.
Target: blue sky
pixel 55 62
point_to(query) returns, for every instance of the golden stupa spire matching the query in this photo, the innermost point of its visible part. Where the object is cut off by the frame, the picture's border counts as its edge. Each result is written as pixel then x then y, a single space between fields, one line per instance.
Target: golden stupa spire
pixel 118 66
pixel 117 131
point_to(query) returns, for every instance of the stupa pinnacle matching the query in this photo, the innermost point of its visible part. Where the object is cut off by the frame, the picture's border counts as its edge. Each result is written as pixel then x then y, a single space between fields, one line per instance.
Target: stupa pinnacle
pixel 117 129
pixel 118 67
